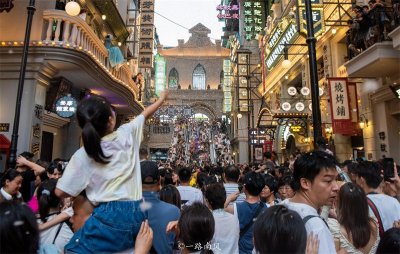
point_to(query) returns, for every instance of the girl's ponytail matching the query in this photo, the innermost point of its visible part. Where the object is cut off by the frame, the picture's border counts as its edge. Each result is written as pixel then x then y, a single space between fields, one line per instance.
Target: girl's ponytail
pixel 93 116
pixel 47 198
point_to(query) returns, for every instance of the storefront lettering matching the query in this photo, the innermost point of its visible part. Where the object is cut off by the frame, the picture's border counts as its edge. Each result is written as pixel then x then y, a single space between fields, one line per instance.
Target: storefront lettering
pixel 288 36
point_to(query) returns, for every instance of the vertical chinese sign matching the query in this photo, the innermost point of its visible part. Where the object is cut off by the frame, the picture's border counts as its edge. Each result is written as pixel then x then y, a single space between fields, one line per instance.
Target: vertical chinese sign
pixel 227 86
pixel 146 42
pixel 342 113
pixel 160 76
pixel 254 18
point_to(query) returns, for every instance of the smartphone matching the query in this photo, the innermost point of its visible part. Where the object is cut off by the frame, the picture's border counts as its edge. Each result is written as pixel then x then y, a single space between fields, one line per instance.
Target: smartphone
pixel 388 168
pixel 240 187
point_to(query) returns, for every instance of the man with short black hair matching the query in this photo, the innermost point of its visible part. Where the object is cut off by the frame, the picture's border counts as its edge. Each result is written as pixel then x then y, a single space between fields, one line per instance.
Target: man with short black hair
pixel 29 170
pixel 315 185
pixel 268 162
pixel 231 177
pixel 248 210
pixel 226 234
pixel 385 208
pixel 189 195
pixel 143 154
pixel 159 212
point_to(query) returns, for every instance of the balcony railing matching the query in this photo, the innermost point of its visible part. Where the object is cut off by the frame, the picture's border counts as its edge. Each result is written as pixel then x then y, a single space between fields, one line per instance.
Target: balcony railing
pixel 62 30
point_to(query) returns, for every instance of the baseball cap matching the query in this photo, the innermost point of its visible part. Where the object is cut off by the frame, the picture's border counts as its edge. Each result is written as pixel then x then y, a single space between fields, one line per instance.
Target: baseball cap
pixel 150 173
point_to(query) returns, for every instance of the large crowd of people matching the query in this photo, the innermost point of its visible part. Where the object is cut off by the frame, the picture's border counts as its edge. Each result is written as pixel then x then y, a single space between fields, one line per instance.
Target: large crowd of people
pixel 109 198
pixel 200 142
pixel 371 24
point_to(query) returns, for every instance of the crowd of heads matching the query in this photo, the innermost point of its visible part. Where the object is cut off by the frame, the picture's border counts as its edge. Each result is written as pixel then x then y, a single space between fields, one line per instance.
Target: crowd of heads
pixel 313 175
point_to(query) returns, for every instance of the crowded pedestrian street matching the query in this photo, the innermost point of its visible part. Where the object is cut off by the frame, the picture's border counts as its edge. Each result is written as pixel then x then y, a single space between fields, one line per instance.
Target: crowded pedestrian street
pixel 200 126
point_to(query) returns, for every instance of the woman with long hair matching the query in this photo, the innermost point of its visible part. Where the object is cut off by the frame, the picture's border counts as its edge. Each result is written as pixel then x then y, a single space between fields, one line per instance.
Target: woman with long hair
pixel 356 230
pixel 49 207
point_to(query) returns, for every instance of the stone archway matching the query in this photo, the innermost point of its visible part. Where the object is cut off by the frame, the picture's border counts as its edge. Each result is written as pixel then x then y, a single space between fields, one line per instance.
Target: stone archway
pixel 202 108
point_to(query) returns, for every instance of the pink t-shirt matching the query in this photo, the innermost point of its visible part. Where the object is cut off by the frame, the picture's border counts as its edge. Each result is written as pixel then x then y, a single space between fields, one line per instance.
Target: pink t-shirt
pixel 34 204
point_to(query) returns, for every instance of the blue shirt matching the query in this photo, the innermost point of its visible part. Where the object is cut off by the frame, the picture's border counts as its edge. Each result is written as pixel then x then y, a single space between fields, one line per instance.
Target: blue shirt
pixel 246 213
pixel 159 214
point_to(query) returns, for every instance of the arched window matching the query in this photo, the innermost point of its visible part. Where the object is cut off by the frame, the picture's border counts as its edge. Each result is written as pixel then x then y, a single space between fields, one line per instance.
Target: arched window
pixel 173 79
pixel 199 78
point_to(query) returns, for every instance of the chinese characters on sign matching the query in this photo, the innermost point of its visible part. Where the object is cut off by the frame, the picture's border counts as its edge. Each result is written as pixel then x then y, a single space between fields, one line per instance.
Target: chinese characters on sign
pixel 227 86
pixel 257 136
pixel 254 19
pixel 339 99
pixel 160 79
pixel 228 11
pixel 317 17
pixel 146 43
pixel 66 106
pixel 340 106
pixel 4 127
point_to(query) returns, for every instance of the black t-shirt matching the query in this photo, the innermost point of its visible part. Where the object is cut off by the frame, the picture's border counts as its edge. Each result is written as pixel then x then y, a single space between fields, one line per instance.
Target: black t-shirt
pixel 26 186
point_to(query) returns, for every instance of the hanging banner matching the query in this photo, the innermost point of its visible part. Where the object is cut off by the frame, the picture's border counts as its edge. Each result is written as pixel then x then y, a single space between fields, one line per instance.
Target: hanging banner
pixel 341 115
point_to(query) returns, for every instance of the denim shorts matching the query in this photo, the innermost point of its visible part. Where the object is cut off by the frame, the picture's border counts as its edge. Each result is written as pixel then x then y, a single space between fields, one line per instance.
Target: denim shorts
pixel 113 227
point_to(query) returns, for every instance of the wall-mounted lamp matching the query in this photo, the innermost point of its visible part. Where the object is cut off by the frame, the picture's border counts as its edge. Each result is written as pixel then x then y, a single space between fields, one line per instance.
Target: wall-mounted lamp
pixel 334 31
pixel 103 17
pixel 286 62
pixel 363 121
pixel 239 115
pixel 328 130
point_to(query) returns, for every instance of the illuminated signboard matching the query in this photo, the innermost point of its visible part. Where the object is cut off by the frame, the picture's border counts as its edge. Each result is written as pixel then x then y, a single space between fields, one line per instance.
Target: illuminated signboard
pixel 227 86
pixel 254 19
pixel 66 106
pixel 277 42
pixel 228 11
pixel 160 76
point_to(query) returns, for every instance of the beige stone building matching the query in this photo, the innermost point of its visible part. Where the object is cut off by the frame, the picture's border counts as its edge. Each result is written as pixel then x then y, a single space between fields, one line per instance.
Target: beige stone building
pixel 193 73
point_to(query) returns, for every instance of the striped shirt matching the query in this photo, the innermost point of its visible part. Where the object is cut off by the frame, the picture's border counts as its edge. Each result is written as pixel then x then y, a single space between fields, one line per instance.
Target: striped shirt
pixel 232 188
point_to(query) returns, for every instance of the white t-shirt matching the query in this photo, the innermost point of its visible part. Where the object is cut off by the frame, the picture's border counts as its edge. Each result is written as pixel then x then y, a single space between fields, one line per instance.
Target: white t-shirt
pixel 226 235
pixel 47 236
pixel 315 225
pixel 388 208
pixel 120 179
pixel 189 195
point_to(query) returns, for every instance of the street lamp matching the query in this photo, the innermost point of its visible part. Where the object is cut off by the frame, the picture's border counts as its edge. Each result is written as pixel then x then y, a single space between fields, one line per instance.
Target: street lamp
pixel 14 138
pixel 311 41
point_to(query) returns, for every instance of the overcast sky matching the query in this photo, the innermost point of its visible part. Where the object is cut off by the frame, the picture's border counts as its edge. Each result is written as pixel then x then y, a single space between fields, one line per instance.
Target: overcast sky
pixel 186 13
